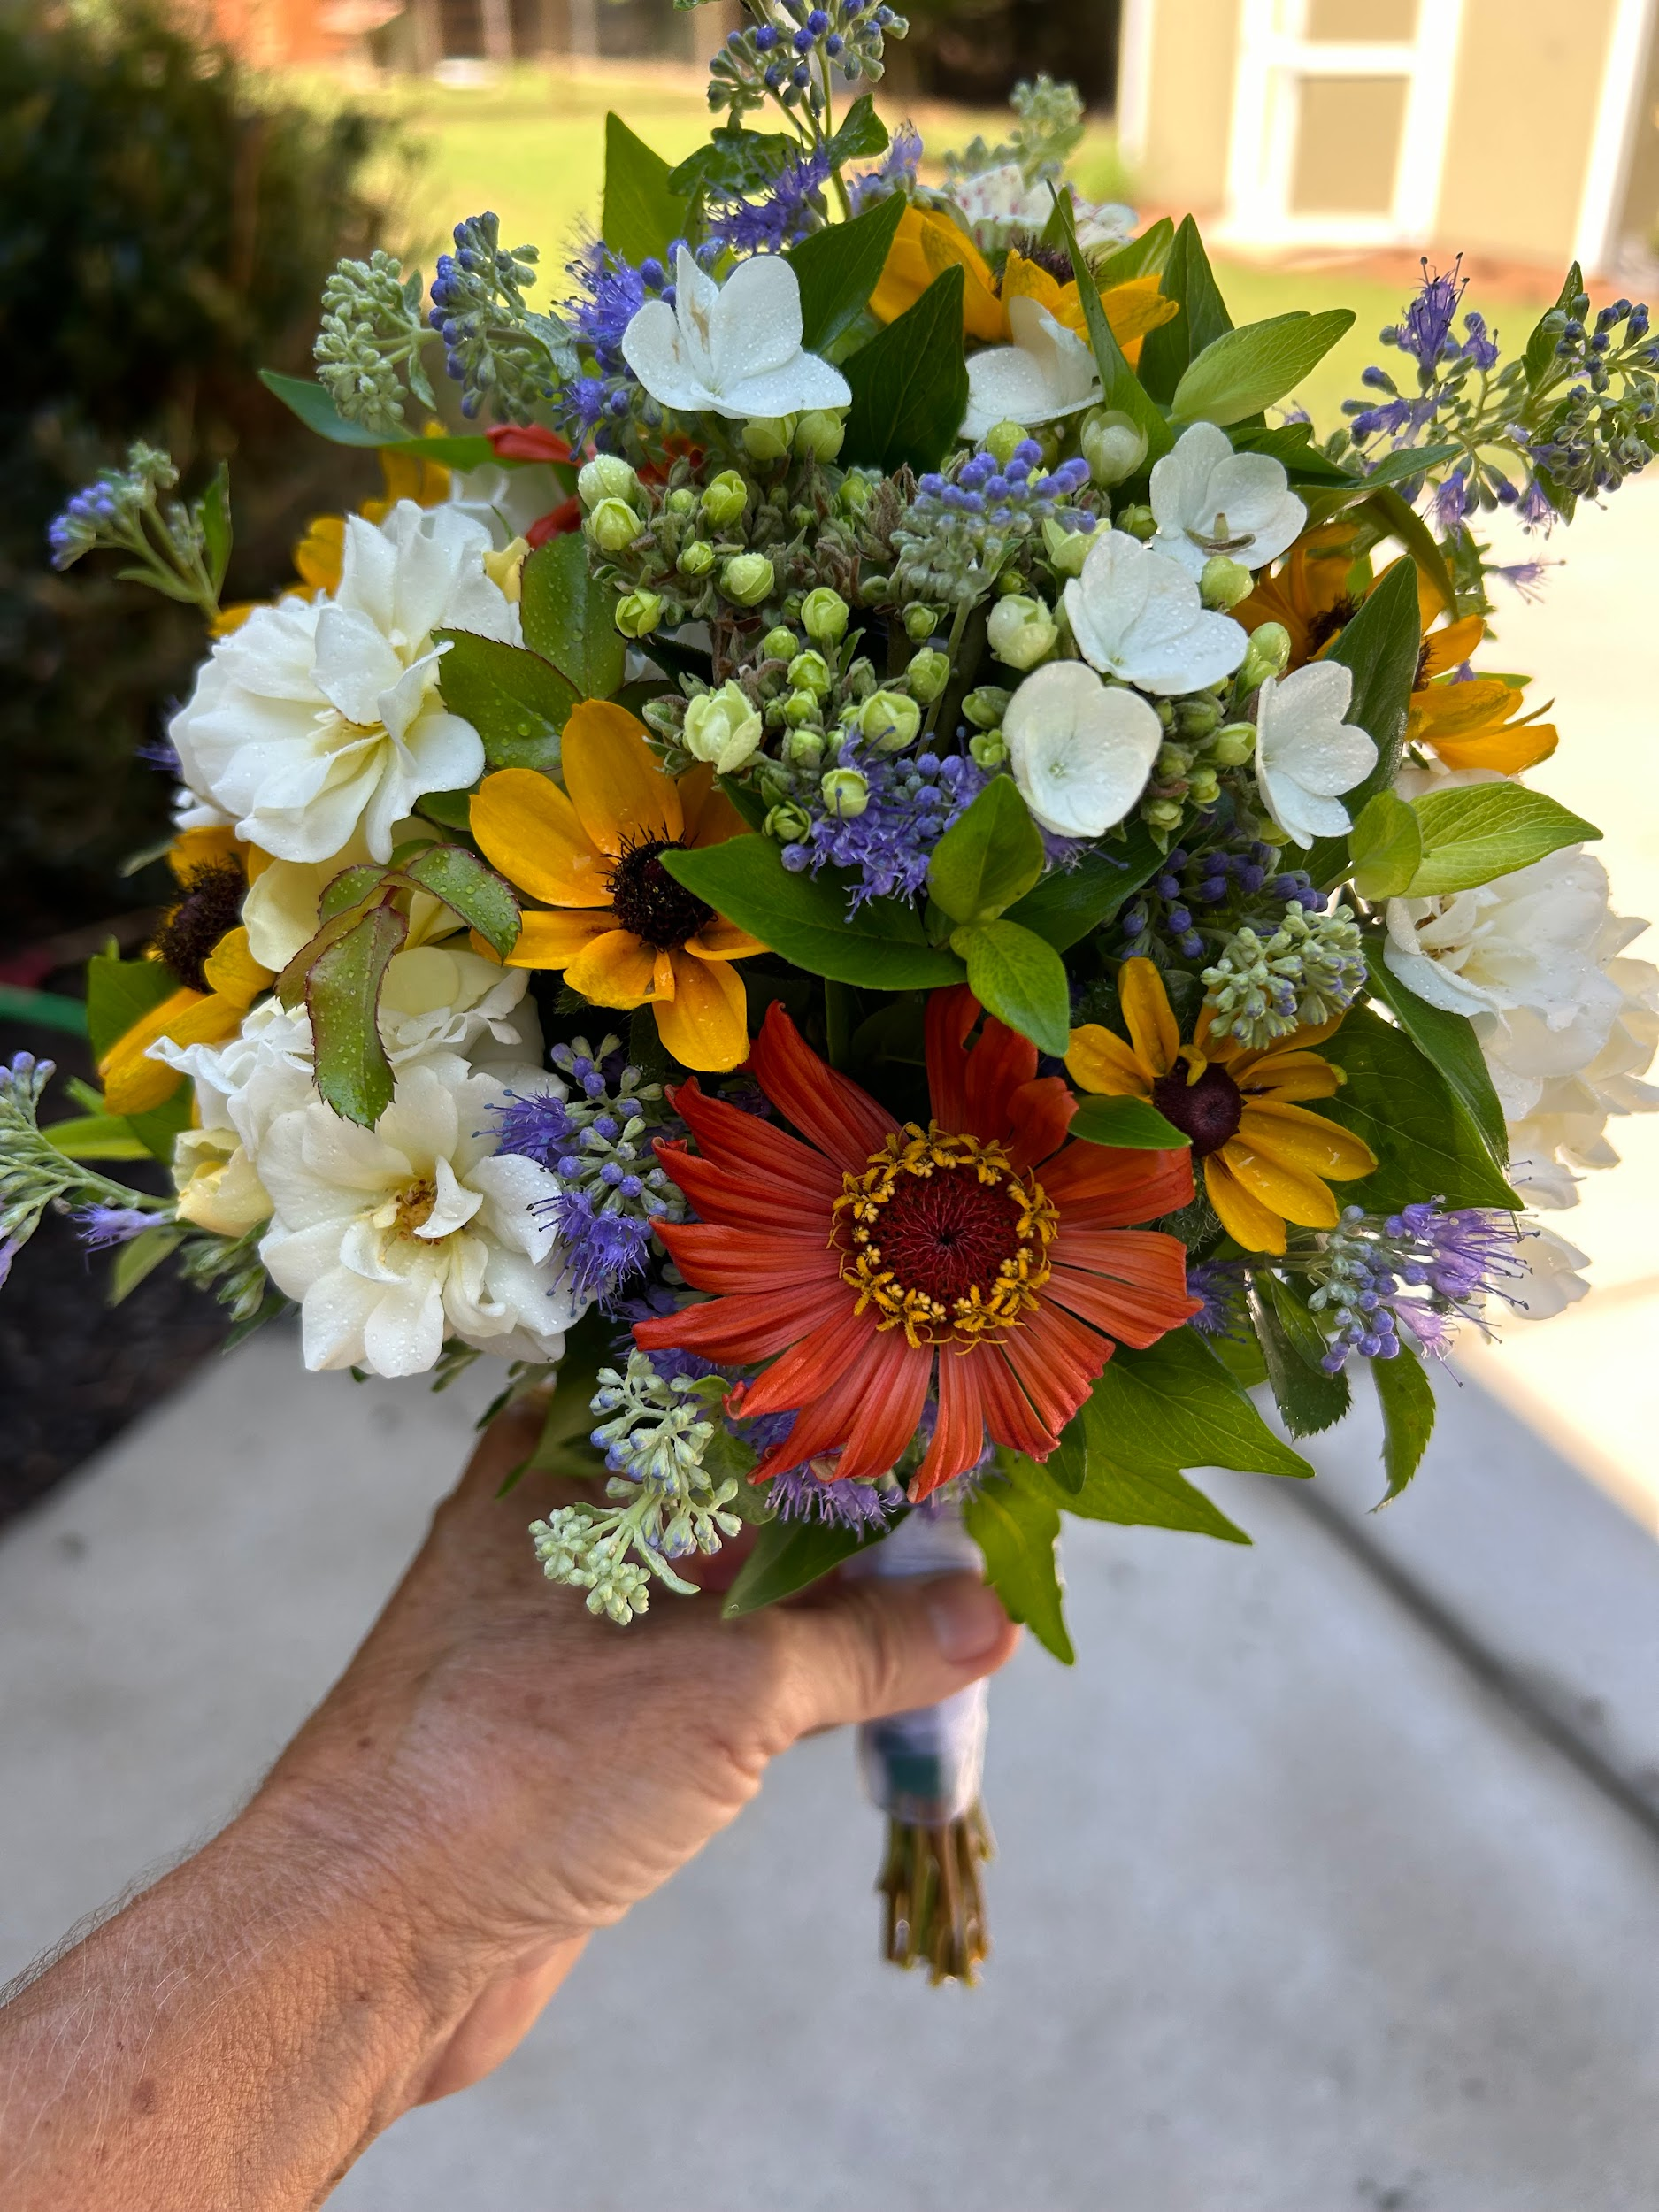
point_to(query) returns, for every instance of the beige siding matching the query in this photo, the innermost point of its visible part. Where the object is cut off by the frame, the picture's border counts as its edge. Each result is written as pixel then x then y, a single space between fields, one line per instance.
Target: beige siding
pixel 1347 145
pixel 1639 211
pixel 1194 46
pixel 1523 116
pixel 1363 20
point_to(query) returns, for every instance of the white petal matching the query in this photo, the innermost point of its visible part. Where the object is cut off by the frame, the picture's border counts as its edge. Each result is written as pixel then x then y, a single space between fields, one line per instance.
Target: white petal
pixel 802 382
pixel 1081 752
pixel 754 320
pixel 653 347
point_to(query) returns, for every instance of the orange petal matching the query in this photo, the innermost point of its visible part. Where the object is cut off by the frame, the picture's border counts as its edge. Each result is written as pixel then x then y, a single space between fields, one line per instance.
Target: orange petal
pixel 619 790
pixel 613 970
pixel 551 938
pixel 705 1024
pixel 1244 1217
pixel 134 1085
pixel 526 827
pixel 1100 1062
pixel 1151 1025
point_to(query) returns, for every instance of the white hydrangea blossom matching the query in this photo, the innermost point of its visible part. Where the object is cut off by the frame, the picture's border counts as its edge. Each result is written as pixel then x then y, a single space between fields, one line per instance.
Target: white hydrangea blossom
pixel 393 1239
pixel 319 721
pixel 1080 750
pixel 1207 499
pixel 1138 616
pixel 733 349
pixel 1046 373
pixel 1306 755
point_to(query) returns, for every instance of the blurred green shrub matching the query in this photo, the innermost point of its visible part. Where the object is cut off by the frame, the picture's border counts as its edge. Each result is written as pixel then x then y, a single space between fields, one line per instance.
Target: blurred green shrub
pixel 166 222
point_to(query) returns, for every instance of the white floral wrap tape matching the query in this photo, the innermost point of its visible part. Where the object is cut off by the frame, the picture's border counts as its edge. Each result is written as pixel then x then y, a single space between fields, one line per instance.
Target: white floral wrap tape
pixel 925 1766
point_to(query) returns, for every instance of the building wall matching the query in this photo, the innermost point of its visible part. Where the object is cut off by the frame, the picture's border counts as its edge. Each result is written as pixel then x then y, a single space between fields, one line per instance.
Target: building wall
pixel 1182 157
pixel 1524 115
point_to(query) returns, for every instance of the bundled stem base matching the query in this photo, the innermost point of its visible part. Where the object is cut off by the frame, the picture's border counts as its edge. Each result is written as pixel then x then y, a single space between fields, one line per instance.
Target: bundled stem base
pixel 935 1904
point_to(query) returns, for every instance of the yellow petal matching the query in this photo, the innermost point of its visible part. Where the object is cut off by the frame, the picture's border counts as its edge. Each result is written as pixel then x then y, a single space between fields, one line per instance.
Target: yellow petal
pixel 705 1024
pixel 1296 1138
pixel 526 827
pixel 720 939
pixel 134 1085
pixel 1147 1015
pixel 614 969
pixel 194 849
pixel 1102 1061
pixel 1285 1191
pixel 410 476
pixel 320 554
pixel 710 817
pixel 621 794
pixel 1285 1075
pixel 554 939
pixel 1245 1220
pixel 1029 279
pixel 1451 647
pixel 1508 751
pixel 1136 307
pixel 233 973
pixel 925 245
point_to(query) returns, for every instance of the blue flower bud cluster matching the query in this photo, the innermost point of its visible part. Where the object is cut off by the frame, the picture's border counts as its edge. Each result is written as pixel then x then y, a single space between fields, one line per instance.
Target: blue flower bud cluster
pixel 791 56
pixel 1199 898
pixel 496 347
pixel 911 802
pixel 34 1175
pixel 369 343
pixel 1310 970
pixel 966 521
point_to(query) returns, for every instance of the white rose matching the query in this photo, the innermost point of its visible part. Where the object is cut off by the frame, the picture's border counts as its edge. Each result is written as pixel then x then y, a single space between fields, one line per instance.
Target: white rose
pixel 320 721
pixel 1080 751
pixel 396 1237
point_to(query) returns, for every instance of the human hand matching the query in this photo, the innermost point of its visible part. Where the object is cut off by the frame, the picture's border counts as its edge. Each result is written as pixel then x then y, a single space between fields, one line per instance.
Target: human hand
pixel 511 1772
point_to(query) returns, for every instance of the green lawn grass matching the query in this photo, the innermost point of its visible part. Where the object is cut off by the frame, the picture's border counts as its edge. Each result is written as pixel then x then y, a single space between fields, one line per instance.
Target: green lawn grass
pixel 532 148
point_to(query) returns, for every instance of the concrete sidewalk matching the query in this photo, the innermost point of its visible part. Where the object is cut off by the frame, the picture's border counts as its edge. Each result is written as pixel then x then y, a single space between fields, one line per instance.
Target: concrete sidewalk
pixel 1327 1875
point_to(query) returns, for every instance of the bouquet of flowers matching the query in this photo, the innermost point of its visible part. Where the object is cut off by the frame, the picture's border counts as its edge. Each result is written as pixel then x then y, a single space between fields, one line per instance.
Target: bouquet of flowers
pixel 882 866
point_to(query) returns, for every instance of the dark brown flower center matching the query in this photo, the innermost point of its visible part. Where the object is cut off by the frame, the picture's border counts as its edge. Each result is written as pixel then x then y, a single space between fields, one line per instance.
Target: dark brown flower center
pixel 1208 1111
pixel 1052 260
pixel 649 902
pixel 1323 626
pixel 189 931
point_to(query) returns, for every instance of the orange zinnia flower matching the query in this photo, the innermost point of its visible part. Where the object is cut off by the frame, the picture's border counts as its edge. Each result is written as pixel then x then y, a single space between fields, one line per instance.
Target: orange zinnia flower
pixel 624 931
pixel 984 1255
pixel 1267 1160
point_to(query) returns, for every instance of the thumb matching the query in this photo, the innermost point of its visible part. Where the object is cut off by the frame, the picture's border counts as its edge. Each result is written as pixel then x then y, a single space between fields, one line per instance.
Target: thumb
pixel 874 1646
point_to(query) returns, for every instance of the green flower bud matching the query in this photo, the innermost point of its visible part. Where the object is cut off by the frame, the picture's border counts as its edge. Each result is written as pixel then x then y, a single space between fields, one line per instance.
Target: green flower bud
pixel 824 615
pixel 1197 717
pixel 810 672
pixel 819 434
pixel 747 578
pixel 989 749
pixel 861 678
pixel 1268 654
pixel 639 614
pixel 608 476
pixel 786 824
pixel 889 721
pixel 1172 760
pixel 1114 445
pixel 681 502
pixel 855 493
pixel 1232 745
pixel 986 706
pixel 845 791
pixel 1021 631
pixel 1067 549
pixel 1138 522
pixel 780 644
pixel 1225 582
pixel 1002 438
pixel 768 436
pixel 1164 814
pixel 777 785
pixel 697 558
pixel 1203 788
pixel 612 526
pixel 803 749
pixel 929 672
pixel 800 708
pixel 725 498
pixel 920 622
pixel 722 727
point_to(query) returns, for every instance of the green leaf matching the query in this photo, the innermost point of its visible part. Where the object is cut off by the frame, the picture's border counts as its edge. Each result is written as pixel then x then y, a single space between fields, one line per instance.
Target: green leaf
pixel 1016 1523
pixel 470 887
pixel 991 855
pixel 1308 1399
pixel 1385 845
pixel 1145 255
pixel 861 134
pixel 1175 1406
pixel 1394 518
pixel 120 993
pixel 158 1130
pixel 1541 355
pixel 343 992
pixel 1427 1142
pixel 1484 830
pixel 1382 645
pixel 1154 1497
pixel 1134 1124
pixel 805 918
pixel 141 1257
pixel 349 888
pixel 1188 279
pixel 1407 1398
pixel 588 1346
pixel 1018 977
pixel 789 1556
pixel 1066 1467
pixel 212 511
pixel 517 702
pixel 909 385
pixel 733 164
pixel 309 400
pixel 839 267
pixel 1070 902
pixel 1449 1042
pixel 47 1010
pixel 1120 386
pixel 642 211
pixel 449 810
pixel 1244 371
pixel 568 618
pixel 95 1137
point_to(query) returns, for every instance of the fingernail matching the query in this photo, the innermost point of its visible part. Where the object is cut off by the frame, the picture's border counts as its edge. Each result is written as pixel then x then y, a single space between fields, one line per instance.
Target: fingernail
pixel 967 1619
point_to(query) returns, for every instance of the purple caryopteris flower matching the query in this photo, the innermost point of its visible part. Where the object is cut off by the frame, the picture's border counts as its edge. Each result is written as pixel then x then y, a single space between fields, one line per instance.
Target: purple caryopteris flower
pixel 100 1226
pixel 912 801
pixel 1428 321
pixel 1451 502
pixel 798 1495
pixel 536 1127
pixel 1526 577
pixel 1536 508
pixel 791 207
pixel 602 1251
pixel 1422 1269
pixel 896 174
pixel 161 753
pixel 1220 1284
